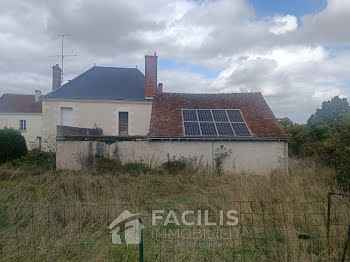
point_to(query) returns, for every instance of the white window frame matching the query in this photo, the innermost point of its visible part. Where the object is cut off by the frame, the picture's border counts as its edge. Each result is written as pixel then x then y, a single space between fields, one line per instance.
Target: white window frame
pixel 23 125
pixel 61 116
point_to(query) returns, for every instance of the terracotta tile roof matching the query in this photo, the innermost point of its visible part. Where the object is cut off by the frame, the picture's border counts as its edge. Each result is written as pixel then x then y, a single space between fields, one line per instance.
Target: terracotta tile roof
pixel 18 103
pixel 166 119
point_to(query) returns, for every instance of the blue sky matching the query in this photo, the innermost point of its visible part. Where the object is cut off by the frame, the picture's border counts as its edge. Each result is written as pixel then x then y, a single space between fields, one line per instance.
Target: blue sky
pixel 284 7
pixel 168 64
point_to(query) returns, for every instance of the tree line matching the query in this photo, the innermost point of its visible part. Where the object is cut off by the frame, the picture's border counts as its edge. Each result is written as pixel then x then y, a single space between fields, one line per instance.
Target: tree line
pixel 325 136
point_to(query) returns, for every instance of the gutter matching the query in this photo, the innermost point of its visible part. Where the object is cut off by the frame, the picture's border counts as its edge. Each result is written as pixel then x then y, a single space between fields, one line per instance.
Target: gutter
pixel 113 139
pixel 183 138
pixel 19 113
pixel 98 100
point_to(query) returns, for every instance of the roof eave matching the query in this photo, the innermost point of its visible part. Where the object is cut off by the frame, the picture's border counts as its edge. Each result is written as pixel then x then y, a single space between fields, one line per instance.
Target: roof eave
pixel 20 113
pixel 97 100
pixel 190 138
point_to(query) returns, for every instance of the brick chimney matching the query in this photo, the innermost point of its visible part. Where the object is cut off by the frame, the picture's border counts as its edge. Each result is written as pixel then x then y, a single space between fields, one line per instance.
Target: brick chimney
pixel 150 75
pixel 37 95
pixel 56 77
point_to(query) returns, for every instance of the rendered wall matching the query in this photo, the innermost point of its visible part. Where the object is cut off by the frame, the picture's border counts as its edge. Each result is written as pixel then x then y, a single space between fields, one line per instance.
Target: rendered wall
pixel 104 113
pixel 255 156
pixel 33 121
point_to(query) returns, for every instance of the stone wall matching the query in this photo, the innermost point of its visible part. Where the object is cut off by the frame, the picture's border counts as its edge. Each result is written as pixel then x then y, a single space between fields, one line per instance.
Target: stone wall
pixel 77 131
pixel 258 156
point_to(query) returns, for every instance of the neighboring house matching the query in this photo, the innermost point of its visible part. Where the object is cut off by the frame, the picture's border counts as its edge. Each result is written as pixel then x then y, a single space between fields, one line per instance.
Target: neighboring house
pixel 23 112
pixel 117 100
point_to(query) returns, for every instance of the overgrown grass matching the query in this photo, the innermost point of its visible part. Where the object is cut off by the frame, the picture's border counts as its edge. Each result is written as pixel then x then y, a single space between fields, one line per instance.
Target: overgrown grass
pixel 112 181
pixel 53 210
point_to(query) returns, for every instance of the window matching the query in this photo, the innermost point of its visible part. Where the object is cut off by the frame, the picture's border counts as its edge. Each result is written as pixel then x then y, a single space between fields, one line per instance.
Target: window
pixel 23 125
pixel 66 116
pixel 123 123
pixel 214 122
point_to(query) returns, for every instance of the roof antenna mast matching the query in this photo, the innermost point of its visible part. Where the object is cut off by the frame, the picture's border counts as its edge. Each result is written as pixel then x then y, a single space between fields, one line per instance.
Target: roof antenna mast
pixel 62 55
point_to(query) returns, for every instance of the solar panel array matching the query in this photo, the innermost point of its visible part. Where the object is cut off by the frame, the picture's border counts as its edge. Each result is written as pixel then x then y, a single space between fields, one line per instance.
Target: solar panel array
pixel 214 122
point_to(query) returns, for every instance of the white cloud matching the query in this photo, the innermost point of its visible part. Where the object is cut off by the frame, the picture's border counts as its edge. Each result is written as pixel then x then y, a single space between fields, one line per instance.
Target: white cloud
pixel 186 82
pixel 284 24
pixel 23 83
pixel 330 26
pixel 289 64
pixel 294 80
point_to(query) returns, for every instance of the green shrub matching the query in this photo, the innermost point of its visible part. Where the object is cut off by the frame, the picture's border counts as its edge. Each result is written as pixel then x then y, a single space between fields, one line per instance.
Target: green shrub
pixel 12 144
pixel 174 165
pixel 136 168
pixel 115 165
pixel 221 153
pixel 37 158
pixel 102 163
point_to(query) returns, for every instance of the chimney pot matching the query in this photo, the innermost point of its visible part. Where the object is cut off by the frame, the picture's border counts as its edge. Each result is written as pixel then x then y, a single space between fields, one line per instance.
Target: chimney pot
pixel 56 77
pixel 160 87
pixel 37 95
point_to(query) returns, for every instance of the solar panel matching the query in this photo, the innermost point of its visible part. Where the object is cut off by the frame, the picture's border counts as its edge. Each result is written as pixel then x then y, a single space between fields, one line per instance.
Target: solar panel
pixel 214 122
pixel 224 129
pixel 191 129
pixel 235 115
pixel 189 115
pixel 205 115
pixel 208 129
pixel 241 129
pixel 220 115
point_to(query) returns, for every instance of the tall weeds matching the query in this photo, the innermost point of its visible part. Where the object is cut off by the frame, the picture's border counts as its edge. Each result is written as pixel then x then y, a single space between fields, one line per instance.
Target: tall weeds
pixel 48 213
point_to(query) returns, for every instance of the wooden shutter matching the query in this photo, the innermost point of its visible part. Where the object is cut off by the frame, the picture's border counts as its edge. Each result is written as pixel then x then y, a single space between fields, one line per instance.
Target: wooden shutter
pixel 123 124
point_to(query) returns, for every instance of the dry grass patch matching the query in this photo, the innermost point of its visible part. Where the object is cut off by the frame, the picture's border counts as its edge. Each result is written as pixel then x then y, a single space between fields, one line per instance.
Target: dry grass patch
pixel 63 215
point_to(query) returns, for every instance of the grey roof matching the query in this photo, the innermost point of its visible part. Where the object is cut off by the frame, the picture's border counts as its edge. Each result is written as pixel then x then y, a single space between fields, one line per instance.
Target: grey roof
pixel 110 83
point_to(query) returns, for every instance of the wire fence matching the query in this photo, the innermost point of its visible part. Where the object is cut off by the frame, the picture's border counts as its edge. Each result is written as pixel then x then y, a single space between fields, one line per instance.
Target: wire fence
pixel 266 231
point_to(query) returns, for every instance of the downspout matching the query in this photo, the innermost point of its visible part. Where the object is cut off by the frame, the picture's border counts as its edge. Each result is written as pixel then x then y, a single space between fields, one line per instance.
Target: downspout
pixel 212 156
pixel 286 156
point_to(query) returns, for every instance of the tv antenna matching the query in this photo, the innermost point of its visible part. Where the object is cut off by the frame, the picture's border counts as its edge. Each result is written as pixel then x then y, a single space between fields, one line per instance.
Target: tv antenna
pixel 62 55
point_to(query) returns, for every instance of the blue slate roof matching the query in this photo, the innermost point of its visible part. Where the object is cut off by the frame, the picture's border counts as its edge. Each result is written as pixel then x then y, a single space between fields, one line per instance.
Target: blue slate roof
pixel 110 83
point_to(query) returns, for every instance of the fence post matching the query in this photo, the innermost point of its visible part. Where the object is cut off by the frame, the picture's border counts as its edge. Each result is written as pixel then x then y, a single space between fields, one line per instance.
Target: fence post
pixel 329 215
pixel 141 242
pixel 346 245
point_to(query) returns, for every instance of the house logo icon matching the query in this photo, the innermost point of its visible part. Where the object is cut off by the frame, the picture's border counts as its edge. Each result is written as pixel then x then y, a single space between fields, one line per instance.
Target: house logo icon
pixel 127 229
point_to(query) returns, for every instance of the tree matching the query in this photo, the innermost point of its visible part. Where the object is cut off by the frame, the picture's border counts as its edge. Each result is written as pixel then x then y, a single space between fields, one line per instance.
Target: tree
pixel 299 139
pixel 285 123
pixel 326 137
pixel 12 144
pixel 331 111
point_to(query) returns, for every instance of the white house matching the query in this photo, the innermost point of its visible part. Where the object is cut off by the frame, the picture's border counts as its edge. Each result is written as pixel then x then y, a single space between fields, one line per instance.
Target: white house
pixel 23 112
pixel 117 100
